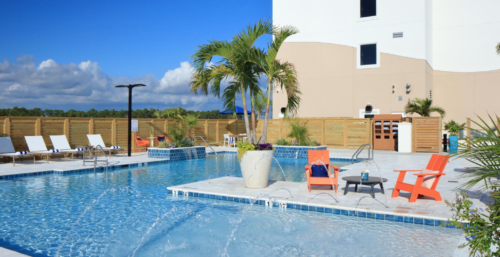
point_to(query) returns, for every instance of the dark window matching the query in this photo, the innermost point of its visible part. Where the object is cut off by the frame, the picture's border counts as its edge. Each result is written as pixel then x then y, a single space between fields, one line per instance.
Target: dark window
pixel 369 54
pixel 368 8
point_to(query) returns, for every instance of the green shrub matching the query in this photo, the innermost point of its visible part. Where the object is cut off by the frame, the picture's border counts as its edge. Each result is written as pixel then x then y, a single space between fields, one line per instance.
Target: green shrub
pixel 483 150
pixel 244 147
pixel 283 141
pixel 178 131
pixel 164 144
pixel 483 229
pixel 454 127
pixel 299 132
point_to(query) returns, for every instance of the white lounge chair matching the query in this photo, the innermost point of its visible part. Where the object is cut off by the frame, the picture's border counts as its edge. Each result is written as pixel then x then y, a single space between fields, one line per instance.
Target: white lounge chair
pixel 229 139
pixel 96 140
pixel 7 150
pixel 37 146
pixel 61 142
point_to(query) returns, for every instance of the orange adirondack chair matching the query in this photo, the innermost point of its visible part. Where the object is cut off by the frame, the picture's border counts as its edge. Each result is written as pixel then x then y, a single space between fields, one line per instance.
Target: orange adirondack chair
pixel 141 143
pixel 427 180
pixel 320 157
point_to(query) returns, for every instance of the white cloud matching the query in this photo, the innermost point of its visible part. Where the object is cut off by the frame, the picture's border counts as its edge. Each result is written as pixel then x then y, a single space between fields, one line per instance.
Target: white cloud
pixel 54 84
pixel 176 80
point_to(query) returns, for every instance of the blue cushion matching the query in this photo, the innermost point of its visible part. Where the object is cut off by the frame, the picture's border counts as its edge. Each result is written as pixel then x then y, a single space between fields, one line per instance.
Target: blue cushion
pixel 319 170
pixel 160 139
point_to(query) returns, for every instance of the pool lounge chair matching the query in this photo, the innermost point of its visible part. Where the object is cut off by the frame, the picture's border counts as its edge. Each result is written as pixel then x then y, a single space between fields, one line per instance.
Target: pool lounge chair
pixel 7 150
pixel 427 179
pixel 61 142
pixel 96 140
pixel 37 146
pixel 318 159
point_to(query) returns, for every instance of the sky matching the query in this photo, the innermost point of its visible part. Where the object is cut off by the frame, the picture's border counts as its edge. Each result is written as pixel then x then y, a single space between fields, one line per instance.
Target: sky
pixel 70 54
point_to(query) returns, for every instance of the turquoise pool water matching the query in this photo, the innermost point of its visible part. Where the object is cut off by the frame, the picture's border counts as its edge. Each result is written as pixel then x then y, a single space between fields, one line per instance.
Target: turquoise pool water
pixel 129 212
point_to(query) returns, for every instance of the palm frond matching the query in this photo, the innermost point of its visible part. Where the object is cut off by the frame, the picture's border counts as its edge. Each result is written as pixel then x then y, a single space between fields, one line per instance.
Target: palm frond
pixel 482 150
pixel 423 107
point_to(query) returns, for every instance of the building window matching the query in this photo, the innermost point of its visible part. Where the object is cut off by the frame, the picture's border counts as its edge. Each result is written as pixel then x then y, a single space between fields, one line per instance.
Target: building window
pixel 368 8
pixel 430 94
pixel 368 54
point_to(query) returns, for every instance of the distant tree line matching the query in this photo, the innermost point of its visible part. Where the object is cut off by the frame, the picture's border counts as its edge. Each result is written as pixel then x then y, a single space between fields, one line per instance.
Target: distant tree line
pixel 93 113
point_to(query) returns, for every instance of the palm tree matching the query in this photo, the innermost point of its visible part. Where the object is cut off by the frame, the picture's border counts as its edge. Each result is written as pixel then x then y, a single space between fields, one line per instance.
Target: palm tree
pixel 279 73
pixel 159 114
pixel 423 107
pixel 233 66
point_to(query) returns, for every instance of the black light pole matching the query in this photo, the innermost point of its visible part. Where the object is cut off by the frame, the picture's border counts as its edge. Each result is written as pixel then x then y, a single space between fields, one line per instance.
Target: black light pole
pixel 130 113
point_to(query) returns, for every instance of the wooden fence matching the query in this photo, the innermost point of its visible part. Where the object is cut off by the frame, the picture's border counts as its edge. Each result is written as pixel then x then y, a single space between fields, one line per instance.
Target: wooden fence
pixel 427 134
pixel 333 132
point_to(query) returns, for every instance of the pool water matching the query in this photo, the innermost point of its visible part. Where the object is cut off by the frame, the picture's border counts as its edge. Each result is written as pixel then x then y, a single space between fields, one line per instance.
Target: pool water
pixel 129 212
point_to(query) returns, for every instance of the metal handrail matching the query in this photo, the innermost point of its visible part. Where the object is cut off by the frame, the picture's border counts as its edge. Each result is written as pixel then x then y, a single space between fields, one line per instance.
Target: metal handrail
pixel 206 143
pixel 94 156
pixel 360 149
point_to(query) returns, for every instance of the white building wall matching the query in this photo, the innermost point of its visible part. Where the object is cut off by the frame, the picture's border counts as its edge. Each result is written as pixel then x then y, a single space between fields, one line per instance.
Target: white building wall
pixel 452 35
pixel 465 35
pixel 429 32
pixel 338 22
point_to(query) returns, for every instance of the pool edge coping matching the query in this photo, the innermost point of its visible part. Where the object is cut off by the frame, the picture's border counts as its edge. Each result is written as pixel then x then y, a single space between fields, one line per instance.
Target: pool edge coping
pixel 348 211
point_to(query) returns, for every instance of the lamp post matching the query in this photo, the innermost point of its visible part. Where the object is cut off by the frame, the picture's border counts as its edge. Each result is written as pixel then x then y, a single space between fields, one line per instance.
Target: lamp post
pixel 130 113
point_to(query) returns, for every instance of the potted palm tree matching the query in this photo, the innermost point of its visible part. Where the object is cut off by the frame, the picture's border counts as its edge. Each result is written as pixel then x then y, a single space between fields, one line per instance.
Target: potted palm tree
pixel 255 162
pixel 423 107
pixel 244 64
pixel 453 128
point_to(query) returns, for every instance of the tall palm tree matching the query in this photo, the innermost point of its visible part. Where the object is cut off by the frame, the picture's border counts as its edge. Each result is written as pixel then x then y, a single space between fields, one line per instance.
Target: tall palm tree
pixel 233 66
pixel 260 104
pixel 423 107
pixel 279 73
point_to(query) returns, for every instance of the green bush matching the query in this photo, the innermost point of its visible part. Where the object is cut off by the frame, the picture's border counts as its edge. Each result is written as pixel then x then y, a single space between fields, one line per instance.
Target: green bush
pixel 244 147
pixel 483 228
pixel 283 141
pixel 454 127
pixel 299 132
pixel 178 131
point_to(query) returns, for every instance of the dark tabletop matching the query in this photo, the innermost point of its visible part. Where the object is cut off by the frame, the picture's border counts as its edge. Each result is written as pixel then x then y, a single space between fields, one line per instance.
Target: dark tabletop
pixel 357 179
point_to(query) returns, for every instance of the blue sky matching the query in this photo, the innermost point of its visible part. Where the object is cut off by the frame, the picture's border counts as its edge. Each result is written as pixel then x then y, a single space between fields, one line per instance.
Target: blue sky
pixel 70 54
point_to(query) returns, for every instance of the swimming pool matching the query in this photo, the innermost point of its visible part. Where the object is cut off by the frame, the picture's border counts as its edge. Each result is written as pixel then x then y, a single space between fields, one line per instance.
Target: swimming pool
pixel 128 212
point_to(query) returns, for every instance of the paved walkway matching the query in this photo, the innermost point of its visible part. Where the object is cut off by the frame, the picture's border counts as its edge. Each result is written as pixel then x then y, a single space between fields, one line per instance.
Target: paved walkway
pixel 8 253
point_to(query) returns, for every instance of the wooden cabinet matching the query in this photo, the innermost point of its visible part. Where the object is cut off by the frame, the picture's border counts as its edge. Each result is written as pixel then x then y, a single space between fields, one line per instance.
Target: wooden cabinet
pixel 385 131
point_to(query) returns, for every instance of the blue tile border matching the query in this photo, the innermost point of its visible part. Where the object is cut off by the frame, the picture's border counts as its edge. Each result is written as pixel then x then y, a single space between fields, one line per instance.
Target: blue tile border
pixel 98 169
pixel 299 152
pixel 331 210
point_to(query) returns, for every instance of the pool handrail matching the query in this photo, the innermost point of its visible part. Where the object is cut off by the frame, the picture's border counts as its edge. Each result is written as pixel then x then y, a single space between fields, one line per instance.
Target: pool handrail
pixel 360 149
pixel 206 143
pixel 94 156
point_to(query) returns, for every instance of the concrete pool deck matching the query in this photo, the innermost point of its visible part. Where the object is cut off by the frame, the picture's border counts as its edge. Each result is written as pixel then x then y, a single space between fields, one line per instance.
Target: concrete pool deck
pixel 387 161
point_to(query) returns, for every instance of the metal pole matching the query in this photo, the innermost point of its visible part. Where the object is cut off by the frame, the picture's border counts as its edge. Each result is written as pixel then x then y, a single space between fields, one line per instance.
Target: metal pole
pixel 130 114
pixel 129 121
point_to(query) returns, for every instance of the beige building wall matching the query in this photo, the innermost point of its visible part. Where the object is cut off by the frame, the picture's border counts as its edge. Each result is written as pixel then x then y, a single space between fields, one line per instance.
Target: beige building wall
pixel 467 94
pixel 332 85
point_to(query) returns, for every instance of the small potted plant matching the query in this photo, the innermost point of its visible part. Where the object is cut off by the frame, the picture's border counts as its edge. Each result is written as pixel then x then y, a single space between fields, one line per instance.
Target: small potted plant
pixel 453 128
pixel 255 163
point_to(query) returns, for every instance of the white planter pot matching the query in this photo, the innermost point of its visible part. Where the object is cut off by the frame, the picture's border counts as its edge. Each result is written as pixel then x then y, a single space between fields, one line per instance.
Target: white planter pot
pixel 255 168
